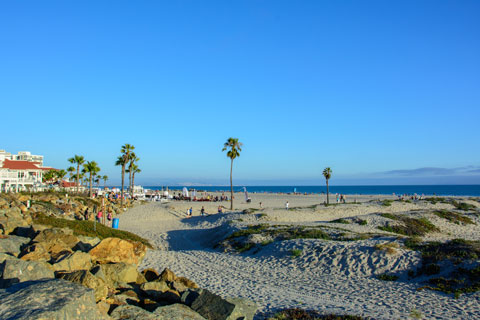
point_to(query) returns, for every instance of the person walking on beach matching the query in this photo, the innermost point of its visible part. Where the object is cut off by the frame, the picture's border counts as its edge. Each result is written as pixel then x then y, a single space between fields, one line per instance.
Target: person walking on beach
pixel 99 216
pixel 202 211
pixel 286 205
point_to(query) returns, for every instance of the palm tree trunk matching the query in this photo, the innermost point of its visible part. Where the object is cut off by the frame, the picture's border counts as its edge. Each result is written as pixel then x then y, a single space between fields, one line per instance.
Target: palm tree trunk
pixel 231 186
pixel 131 183
pixel 123 180
pixel 327 192
pixel 78 175
pixel 91 181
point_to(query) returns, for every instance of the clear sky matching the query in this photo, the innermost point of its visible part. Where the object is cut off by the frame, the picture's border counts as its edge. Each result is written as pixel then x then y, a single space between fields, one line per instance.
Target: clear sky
pixel 383 92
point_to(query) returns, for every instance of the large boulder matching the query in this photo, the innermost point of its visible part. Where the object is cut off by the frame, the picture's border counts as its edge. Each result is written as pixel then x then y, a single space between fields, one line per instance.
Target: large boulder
pixel 112 250
pixel 177 312
pixel 86 244
pixel 76 261
pixel 12 244
pixel 150 274
pixel 11 221
pixel 129 312
pixel 55 236
pixel 244 309
pixel 35 252
pixel 214 307
pixel 53 299
pixel 13 271
pixel 116 274
pixel 168 275
pixel 155 289
pixel 86 279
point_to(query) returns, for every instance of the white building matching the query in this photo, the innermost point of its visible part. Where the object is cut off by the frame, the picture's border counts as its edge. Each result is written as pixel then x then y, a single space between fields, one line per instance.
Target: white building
pixel 20 172
pixel 22 155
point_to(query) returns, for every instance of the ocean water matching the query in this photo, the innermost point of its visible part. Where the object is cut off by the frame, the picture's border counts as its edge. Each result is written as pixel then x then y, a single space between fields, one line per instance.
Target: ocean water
pixel 440 190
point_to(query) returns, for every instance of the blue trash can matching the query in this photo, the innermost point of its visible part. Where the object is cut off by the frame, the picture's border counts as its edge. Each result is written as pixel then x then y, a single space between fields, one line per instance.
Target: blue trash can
pixel 115 223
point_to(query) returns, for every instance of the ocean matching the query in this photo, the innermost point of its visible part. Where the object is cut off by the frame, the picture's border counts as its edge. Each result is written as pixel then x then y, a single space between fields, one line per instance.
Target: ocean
pixel 430 190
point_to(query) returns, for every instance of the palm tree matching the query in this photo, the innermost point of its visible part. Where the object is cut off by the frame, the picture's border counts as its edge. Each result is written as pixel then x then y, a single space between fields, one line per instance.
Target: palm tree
pixel 136 169
pixel 105 178
pixel 133 169
pixel 126 150
pixel 78 160
pixel 235 147
pixel 92 168
pixel 133 160
pixel 71 171
pixel 49 176
pixel 61 174
pixel 327 173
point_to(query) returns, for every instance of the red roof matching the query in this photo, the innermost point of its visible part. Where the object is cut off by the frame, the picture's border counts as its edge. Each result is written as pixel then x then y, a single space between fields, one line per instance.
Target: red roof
pixel 20 165
pixel 48 168
pixel 67 184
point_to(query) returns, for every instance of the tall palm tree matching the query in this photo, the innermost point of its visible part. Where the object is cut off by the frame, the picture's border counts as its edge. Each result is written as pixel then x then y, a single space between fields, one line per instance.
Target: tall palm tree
pixel 126 150
pixel 234 147
pixel 78 160
pixel 327 173
pixel 92 168
pixel 61 174
pixel 133 160
pixel 135 169
pixel 105 178
pixel 71 171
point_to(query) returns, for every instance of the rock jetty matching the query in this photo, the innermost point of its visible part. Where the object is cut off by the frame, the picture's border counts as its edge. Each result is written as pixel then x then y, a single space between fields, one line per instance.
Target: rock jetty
pixel 54 273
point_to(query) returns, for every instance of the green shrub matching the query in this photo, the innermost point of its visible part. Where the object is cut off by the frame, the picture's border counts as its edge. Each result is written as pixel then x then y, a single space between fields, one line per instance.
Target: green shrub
pixel 362 222
pixel 463 206
pixel 387 277
pixel 296 252
pixel 411 227
pixel 453 217
pixel 297 314
pixel 86 228
pixel 387 203
pixel 389 216
pixel 343 221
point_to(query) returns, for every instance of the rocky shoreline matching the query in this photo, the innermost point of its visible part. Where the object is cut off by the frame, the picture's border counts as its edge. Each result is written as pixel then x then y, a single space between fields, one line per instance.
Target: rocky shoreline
pixel 54 273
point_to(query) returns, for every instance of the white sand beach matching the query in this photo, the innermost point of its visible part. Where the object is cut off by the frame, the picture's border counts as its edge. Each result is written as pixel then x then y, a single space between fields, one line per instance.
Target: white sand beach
pixel 326 275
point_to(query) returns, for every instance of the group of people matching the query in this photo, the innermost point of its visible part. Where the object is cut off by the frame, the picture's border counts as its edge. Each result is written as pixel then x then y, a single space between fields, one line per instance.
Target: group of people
pixel 202 212
pixel 98 215
pixel 341 198
pixel 412 197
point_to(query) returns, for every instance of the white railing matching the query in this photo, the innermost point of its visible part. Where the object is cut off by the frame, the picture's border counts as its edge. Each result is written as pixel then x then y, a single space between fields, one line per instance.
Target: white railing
pixel 8 175
pixel 13 178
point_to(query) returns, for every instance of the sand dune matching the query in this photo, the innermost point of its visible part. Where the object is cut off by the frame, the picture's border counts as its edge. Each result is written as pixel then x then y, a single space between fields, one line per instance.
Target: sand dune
pixel 333 276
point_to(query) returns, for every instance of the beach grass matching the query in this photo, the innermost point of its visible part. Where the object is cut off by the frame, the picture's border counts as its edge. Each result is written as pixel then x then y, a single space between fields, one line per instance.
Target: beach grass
pixel 296 252
pixel 410 226
pixel 297 313
pixel 453 217
pixel 87 228
pixel 340 220
pixel 458 251
pixel 387 277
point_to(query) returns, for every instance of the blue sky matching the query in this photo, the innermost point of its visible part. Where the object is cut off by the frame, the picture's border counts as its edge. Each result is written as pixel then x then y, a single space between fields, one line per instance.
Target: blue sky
pixel 365 87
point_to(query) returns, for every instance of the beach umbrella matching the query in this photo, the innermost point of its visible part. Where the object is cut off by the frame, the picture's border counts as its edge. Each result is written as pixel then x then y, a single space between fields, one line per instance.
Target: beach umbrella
pixel 185 192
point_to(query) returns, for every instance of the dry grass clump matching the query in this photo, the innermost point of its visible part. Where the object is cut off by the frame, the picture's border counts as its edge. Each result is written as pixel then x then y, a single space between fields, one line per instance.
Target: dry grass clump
pixel 388 247
pixel 458 251
pixel 410 226
pixel 87 228
pixel 453 217
pixel 297 313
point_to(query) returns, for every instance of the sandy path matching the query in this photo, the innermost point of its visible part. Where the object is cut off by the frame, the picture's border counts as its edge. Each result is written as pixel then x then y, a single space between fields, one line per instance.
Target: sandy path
pixel 318 279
